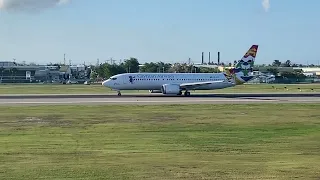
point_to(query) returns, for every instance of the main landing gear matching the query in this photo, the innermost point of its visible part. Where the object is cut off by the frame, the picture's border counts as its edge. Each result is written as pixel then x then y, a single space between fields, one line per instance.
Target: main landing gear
pixel 186 93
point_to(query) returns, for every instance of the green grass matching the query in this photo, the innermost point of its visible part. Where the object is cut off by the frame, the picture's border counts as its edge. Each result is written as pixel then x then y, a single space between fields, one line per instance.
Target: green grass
pixel 98 89
pixel 271 141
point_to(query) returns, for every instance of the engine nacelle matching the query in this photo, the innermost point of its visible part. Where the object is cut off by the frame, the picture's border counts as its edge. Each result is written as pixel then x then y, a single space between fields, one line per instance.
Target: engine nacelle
pixel 155 91
pixel 170 89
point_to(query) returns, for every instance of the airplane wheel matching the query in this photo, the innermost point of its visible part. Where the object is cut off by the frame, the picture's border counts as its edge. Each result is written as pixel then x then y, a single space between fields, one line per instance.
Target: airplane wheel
pixel 186 93
pixel 180 93
pixel 119 93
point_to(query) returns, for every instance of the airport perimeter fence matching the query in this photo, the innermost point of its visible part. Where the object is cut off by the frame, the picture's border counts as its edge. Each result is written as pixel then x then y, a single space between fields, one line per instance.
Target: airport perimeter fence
pixel 286 81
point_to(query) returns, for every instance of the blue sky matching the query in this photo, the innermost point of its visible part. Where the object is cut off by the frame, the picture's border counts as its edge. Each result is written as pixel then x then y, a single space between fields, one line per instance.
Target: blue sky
pixel 163 30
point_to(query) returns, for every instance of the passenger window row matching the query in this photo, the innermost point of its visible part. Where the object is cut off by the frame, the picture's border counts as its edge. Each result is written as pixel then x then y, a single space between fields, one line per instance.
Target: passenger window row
pixel 176 79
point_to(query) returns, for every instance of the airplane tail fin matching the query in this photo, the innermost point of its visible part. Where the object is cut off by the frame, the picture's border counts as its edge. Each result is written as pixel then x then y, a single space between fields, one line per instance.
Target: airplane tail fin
pixel 244 66
pixel 246 63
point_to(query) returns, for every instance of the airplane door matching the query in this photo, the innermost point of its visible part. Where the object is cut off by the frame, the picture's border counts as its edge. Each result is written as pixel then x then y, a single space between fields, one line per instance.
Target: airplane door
pixel 130 80
pixel 127 80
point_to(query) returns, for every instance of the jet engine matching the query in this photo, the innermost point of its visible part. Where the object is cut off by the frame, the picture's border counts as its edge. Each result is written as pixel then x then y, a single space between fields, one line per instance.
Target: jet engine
pixel 170 89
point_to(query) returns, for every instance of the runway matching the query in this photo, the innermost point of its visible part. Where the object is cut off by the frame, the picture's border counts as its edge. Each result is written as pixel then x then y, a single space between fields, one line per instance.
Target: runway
pixel 145 99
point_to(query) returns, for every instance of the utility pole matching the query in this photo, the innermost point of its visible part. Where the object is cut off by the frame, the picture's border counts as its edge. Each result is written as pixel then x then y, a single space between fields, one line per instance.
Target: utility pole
pixel 64 59
pixel 97 62
pixel 112 61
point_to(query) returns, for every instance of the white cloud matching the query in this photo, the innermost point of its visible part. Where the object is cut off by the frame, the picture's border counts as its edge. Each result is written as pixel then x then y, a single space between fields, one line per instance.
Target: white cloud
pixel 266 5
pixel 29 5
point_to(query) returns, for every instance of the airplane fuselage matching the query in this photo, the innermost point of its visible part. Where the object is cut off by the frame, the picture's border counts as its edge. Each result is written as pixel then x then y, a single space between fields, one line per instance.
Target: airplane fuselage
pixel 155 81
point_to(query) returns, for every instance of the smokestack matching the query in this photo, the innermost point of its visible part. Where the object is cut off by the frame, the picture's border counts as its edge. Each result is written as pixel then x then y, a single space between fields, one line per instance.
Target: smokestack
pixel 209 57
pixel 202 58
pixel 218 58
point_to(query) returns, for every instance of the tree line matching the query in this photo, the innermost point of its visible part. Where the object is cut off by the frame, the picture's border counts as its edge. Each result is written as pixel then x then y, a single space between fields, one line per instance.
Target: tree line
pixel 132 65
pixel 287 63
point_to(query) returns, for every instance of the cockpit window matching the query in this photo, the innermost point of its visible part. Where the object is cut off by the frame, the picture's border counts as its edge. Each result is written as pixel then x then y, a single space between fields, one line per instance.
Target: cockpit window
pixel 113 78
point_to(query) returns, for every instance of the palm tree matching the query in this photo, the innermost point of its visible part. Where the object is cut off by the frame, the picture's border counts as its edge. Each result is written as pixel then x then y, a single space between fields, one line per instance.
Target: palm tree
pixel 288 63
pixel 276 63
pixel 235 63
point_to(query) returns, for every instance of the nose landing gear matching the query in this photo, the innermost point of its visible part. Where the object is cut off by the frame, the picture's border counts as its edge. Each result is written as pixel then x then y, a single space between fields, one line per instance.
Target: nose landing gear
pixel 119 93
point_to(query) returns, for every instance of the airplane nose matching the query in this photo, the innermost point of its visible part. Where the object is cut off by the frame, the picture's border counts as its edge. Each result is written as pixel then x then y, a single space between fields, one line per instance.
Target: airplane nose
pixel 105 83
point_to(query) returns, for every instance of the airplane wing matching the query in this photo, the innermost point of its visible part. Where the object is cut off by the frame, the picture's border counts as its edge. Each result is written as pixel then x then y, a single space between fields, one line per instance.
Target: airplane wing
pixel 198 84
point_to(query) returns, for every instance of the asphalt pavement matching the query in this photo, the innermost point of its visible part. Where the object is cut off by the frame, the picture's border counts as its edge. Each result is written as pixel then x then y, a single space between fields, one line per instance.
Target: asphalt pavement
pixel 220 98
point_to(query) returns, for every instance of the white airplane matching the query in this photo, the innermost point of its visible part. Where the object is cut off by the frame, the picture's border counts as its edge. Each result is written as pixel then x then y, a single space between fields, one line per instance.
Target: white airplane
pixel 175 83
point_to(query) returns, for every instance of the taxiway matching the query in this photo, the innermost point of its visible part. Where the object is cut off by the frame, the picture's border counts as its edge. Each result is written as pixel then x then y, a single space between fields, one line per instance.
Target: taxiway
pixel 234 98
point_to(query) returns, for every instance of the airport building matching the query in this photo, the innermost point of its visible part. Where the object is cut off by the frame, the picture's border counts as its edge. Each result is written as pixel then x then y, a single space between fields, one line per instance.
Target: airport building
pixel 12 72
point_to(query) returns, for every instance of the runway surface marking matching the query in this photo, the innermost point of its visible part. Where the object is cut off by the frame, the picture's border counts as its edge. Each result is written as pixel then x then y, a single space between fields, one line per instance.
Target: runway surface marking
pixel 158 99
pixel 132 101
pixel 155 100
